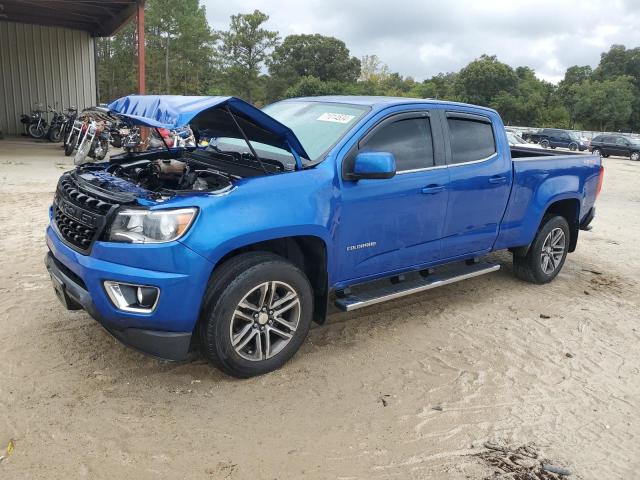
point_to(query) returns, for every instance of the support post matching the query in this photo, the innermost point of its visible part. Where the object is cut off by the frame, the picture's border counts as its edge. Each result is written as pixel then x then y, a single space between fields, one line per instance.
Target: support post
pixel 141 72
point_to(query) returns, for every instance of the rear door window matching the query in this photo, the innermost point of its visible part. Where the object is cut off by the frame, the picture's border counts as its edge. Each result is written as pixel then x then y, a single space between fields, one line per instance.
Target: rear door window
pixel 471 140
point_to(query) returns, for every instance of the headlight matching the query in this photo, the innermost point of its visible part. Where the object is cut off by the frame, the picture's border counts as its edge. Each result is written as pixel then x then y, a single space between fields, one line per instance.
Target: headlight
pixel 151 226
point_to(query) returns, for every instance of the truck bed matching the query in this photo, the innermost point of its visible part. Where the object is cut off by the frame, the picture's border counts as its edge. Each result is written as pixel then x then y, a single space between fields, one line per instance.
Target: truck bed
pixel 536 173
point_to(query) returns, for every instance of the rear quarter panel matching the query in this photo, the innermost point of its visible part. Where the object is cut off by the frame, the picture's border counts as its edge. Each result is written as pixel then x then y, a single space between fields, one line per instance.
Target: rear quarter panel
pixel 538 183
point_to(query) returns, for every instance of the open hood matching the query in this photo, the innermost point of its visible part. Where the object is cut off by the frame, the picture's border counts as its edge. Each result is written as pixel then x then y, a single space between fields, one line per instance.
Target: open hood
pixel 207 114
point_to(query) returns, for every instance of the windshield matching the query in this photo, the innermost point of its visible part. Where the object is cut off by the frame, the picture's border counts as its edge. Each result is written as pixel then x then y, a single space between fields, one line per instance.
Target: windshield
pixel 318 125
pixel 514 139
pixel 573 136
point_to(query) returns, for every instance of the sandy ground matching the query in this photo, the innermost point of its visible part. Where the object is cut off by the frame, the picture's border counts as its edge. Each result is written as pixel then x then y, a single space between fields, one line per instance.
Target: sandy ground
pixel 499 359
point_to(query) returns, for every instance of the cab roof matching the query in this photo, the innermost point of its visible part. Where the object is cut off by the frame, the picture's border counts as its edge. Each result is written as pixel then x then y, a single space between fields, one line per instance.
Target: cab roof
pixel 378 102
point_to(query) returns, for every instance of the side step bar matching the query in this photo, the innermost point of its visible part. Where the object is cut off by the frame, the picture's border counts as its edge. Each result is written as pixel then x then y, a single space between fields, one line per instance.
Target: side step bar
pixel 380 294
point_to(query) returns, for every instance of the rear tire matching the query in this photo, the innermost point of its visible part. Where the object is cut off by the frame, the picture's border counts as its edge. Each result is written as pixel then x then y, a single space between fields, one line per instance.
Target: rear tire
pixel 597 151
pixel 547 253
pixel 544 143
pixel 240 329
pixel 635 156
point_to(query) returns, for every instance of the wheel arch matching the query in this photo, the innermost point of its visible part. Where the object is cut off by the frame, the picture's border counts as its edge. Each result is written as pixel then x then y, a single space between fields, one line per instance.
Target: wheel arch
pixel 307 252
pixel 567 207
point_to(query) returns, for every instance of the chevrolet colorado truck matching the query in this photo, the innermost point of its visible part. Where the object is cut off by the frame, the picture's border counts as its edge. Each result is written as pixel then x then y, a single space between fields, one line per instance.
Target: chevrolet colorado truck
pixel 238 245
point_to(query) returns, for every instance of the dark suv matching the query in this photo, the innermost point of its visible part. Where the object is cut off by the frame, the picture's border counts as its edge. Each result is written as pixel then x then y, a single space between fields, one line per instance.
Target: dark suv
pixel 618 145
pixel 553 137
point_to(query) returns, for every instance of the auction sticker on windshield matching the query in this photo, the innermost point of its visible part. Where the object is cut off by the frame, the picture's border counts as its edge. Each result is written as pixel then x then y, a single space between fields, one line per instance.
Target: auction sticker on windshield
pixel 336 117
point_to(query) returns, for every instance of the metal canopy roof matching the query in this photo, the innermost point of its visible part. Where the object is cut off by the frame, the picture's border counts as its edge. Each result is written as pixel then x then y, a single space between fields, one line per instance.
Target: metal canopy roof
pixel 101 18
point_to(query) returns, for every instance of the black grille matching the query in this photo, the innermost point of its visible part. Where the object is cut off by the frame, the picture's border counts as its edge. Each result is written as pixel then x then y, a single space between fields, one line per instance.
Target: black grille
pixel 78 216
pixel 68 189
pixel 73 231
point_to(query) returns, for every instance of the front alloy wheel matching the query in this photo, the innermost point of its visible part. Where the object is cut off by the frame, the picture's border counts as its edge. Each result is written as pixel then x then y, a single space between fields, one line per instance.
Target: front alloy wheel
pixel 265 321
pixel 256 313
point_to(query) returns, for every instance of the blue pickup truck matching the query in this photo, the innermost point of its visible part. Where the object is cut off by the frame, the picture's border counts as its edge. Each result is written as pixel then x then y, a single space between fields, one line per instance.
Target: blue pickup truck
pixel 237 246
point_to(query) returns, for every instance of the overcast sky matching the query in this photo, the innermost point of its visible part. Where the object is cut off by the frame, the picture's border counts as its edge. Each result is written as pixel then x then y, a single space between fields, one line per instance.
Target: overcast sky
pixel 421 38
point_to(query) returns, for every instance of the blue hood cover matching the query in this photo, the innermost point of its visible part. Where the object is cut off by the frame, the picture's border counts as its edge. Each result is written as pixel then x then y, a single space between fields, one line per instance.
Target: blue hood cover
pixel 173 111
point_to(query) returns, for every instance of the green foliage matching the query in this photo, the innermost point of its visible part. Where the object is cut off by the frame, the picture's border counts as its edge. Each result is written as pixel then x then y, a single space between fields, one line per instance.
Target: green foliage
pixel 482 80
pixel 242 52
pixel 606 104
pixel 184 56
pixel 116 64
pixel 323 58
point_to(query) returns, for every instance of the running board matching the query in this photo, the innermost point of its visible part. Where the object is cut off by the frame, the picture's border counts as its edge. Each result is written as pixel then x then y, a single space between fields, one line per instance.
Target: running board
pixel 354 301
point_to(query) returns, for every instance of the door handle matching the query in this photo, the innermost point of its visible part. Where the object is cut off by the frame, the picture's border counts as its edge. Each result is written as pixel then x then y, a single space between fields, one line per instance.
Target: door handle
pixel 432 189
pixel 497 179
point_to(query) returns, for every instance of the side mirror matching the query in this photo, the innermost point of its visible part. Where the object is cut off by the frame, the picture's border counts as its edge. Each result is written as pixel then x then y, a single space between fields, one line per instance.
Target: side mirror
pixel 373 165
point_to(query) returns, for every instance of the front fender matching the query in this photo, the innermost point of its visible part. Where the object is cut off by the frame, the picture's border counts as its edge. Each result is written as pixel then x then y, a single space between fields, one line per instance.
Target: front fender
pixel 299 203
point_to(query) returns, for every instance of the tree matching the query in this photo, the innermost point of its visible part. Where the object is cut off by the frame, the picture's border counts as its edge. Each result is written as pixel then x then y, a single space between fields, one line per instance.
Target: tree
pixel 372 69
pixel 482 80
pixel 179 46
pixel 313 86
pixel 116 64
pixel 243 50
pixel 605 104
pixel 324 58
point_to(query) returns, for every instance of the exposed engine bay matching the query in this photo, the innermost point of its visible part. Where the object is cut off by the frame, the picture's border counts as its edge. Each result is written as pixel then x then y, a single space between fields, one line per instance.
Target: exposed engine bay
pixel 171 176
pixel 154 174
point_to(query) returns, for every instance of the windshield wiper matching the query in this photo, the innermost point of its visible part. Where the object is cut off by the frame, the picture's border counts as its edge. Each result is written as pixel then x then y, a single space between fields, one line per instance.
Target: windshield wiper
pixel 246 139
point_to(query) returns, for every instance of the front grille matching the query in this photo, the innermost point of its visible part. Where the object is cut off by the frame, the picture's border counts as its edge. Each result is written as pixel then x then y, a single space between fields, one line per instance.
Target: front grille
pixel 79 217
pixel 67 188
pixel 73 231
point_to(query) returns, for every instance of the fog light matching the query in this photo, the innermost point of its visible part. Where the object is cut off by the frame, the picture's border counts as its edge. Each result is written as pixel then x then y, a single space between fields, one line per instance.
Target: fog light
pixel 132 298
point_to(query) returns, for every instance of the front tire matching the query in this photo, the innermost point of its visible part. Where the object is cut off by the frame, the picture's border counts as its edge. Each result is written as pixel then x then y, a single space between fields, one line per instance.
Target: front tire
pixel 257 312
pixel 635 156
pixel 547 253
pixel 55 134
pixel 544 143
pixel 573 147
pixel 36 131
pixel 70 146
pixel 597 151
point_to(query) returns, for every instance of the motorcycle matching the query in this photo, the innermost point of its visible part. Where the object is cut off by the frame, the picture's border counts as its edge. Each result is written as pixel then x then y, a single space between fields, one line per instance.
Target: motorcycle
pixel 132 141
pixel 70 115
pixel 54 134
pixel 94 143
pixel 35 125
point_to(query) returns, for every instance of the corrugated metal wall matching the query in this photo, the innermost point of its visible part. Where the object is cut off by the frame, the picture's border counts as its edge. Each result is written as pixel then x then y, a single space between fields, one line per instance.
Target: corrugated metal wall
pixel 46 65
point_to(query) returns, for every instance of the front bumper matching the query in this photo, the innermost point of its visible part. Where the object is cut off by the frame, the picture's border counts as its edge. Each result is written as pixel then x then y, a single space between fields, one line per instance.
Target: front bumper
pixel 166 332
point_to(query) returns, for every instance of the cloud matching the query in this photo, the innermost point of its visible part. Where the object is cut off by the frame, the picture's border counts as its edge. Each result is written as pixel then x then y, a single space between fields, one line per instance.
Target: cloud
pixel 422 38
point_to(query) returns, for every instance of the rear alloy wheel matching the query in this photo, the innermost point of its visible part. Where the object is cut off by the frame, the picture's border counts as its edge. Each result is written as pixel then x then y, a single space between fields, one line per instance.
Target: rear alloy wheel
pixel 553 250
pixel 544 143
pixel 635 156
pixel 597 151
pixel 256 314
pixel 547 253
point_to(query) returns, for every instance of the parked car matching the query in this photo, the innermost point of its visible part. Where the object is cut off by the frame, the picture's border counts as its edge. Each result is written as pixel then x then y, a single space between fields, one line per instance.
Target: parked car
pixel 618 145
pixel 240 246
pixel 516 140
pixel 553 138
